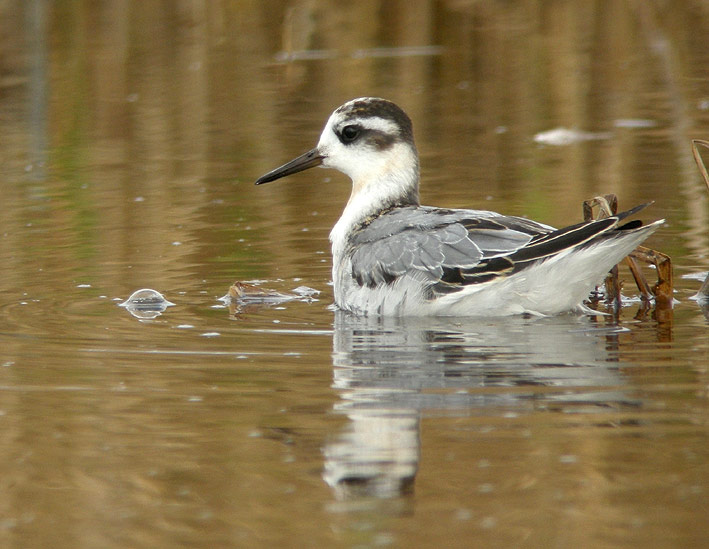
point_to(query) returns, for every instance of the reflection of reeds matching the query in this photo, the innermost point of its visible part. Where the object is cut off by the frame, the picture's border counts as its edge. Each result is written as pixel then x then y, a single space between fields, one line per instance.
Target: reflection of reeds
pixel 173 102
pixel 287 56
pixel 670 60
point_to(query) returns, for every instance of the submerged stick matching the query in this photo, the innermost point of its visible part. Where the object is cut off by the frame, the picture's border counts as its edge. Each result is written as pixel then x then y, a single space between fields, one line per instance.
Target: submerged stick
pixel 663 289
pixel 698 158
pixel 607 206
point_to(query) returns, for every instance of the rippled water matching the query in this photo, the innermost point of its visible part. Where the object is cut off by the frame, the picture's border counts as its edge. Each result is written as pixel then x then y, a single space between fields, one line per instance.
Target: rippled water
pixel 131 135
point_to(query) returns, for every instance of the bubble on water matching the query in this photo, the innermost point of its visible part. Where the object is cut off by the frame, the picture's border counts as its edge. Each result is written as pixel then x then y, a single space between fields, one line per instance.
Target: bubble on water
pixel 146 303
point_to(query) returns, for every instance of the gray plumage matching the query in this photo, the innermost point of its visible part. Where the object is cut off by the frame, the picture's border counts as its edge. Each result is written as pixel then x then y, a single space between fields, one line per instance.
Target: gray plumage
pixel 450 249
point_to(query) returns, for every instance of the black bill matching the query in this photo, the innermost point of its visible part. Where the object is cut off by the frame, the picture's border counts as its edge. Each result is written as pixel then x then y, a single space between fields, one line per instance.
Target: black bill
pixel 308 160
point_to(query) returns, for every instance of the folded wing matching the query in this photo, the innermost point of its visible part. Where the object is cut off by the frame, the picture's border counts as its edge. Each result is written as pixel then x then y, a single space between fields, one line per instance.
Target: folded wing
pixel 451 249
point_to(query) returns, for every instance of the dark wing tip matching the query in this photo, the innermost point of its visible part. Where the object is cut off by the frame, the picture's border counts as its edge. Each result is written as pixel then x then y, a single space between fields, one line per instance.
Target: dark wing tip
pixel 627 213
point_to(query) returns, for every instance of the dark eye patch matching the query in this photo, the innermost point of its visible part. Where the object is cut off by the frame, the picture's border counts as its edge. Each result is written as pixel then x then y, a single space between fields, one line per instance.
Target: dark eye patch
pixel 374 138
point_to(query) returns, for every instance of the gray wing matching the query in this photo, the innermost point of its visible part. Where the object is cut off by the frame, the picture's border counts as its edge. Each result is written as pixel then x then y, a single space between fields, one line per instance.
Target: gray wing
pixel 449 248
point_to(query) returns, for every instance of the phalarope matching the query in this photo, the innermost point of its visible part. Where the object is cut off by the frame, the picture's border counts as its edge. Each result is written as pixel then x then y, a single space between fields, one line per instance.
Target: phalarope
pixel 392 256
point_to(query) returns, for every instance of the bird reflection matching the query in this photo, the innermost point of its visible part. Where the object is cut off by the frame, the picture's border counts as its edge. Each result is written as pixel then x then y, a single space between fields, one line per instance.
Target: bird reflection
pixel 389 372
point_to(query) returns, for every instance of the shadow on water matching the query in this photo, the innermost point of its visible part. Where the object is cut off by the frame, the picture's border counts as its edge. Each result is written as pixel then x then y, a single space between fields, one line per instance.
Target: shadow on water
pixel 390 373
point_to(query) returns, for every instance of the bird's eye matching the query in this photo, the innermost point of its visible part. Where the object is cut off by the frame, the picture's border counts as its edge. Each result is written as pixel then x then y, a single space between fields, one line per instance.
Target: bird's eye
pixel 350 133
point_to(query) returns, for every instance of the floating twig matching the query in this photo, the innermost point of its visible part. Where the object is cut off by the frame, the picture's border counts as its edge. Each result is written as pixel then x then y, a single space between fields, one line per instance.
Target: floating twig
pixel 662 291
pixel 696 143
pixel 703 294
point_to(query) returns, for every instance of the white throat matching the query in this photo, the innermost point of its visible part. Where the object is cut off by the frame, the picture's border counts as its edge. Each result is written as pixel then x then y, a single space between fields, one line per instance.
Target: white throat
pixel 392 180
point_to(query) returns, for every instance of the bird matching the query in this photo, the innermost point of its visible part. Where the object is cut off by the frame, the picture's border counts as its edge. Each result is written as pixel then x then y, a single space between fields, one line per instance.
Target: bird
pixel 391 256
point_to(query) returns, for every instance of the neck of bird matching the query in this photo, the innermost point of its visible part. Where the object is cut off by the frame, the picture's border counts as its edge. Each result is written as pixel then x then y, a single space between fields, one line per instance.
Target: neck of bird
pixel 372 194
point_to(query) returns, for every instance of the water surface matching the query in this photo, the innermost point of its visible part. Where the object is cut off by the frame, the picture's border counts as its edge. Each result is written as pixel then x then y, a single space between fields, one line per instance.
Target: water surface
pixel 131 135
